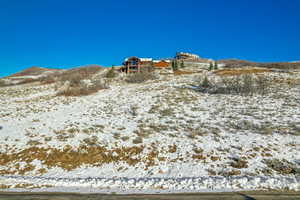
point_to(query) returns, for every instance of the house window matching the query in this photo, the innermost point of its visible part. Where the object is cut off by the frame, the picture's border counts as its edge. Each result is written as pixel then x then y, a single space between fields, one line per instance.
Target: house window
pixel 134 62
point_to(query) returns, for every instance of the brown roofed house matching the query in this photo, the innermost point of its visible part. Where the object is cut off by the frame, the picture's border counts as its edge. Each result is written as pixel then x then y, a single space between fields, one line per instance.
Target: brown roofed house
pixel 135 64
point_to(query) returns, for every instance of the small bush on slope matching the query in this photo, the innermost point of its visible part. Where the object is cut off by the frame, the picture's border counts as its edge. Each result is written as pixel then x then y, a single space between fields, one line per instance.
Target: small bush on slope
pixel 2 83
pixel 205 82
pixel 111 73
pixel 239 163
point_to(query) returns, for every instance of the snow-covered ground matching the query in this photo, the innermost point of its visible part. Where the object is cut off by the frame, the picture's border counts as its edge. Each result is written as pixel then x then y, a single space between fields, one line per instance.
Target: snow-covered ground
pixel 158 136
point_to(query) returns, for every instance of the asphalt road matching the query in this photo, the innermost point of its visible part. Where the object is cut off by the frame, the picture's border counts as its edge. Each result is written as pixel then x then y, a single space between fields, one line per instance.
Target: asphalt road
pixel 200 196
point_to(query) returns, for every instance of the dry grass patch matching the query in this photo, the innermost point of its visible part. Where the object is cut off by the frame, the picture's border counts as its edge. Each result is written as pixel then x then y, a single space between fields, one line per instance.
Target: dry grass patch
pixel 199 157
pixel 288 81
pixel 31 186
pixel 181 72
pixel 172 148
pixel 230 173
pixel 32 71
pixel 33 143
pixel 198 150
pixel 239 163
pixel 91 140
pixel 234 72
pixel 4 186
pixel 211 172
pixel 70 159
pixel 215 158
pixel 167 112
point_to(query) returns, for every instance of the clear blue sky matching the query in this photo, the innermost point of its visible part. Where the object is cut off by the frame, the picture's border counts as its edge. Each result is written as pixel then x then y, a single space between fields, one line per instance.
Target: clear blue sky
pixel 69 33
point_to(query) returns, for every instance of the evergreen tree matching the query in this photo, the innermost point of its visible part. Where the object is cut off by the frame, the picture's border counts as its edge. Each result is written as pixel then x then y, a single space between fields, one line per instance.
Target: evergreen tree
pixel 216 65
pixel 182 64
pixel 174 65
pixel 211 66
pixel 205 82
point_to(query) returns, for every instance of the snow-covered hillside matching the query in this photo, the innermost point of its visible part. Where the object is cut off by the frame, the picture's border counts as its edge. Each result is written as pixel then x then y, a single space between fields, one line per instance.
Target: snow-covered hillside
pixel 157 136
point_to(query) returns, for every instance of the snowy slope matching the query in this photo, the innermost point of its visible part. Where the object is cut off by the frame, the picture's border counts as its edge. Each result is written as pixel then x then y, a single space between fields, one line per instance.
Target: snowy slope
pixel 159 136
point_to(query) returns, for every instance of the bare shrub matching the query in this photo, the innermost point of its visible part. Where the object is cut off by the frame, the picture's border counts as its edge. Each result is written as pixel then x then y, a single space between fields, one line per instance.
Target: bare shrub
pixel 283 166
pixel 28 80
pixel 230 173
pixel 91 141
pixel 47 80
pixel 2 83
pixel 137 140
pixel 263 84
pixel 79 73
pixel 76 82
pixel 246 84
pixel 73 88
pixel 243 84
pixel 140 77
pixel 111 73
pixel 239 163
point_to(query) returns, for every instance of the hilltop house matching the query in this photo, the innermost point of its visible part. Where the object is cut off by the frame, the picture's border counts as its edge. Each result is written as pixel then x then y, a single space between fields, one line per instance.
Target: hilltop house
pixel 186 60
pixel 161 64
pixel 186 56
pixel 192 61
pixel 135 64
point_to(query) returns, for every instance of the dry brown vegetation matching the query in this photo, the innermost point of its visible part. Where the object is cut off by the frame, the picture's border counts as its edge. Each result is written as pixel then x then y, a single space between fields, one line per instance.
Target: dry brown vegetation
pixel 239 163
pixel 73 85
pixel 24 185
pixel 70 159
pixel 48 80
pixel 111 73
pixel 28 80
pixel 80 73
pixel 234 72
pixel 289 81
pixel 2 83
pixel 280 65
pixel 236 63
pixel 283 166
pixel 140 77
pixel 81 89
pixel 32 71
pixel 181 72
pixel 244 84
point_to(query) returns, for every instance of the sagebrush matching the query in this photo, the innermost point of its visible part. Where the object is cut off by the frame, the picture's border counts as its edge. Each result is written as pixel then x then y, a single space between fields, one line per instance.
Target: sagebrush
pixel 245 84
pixel 140 77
